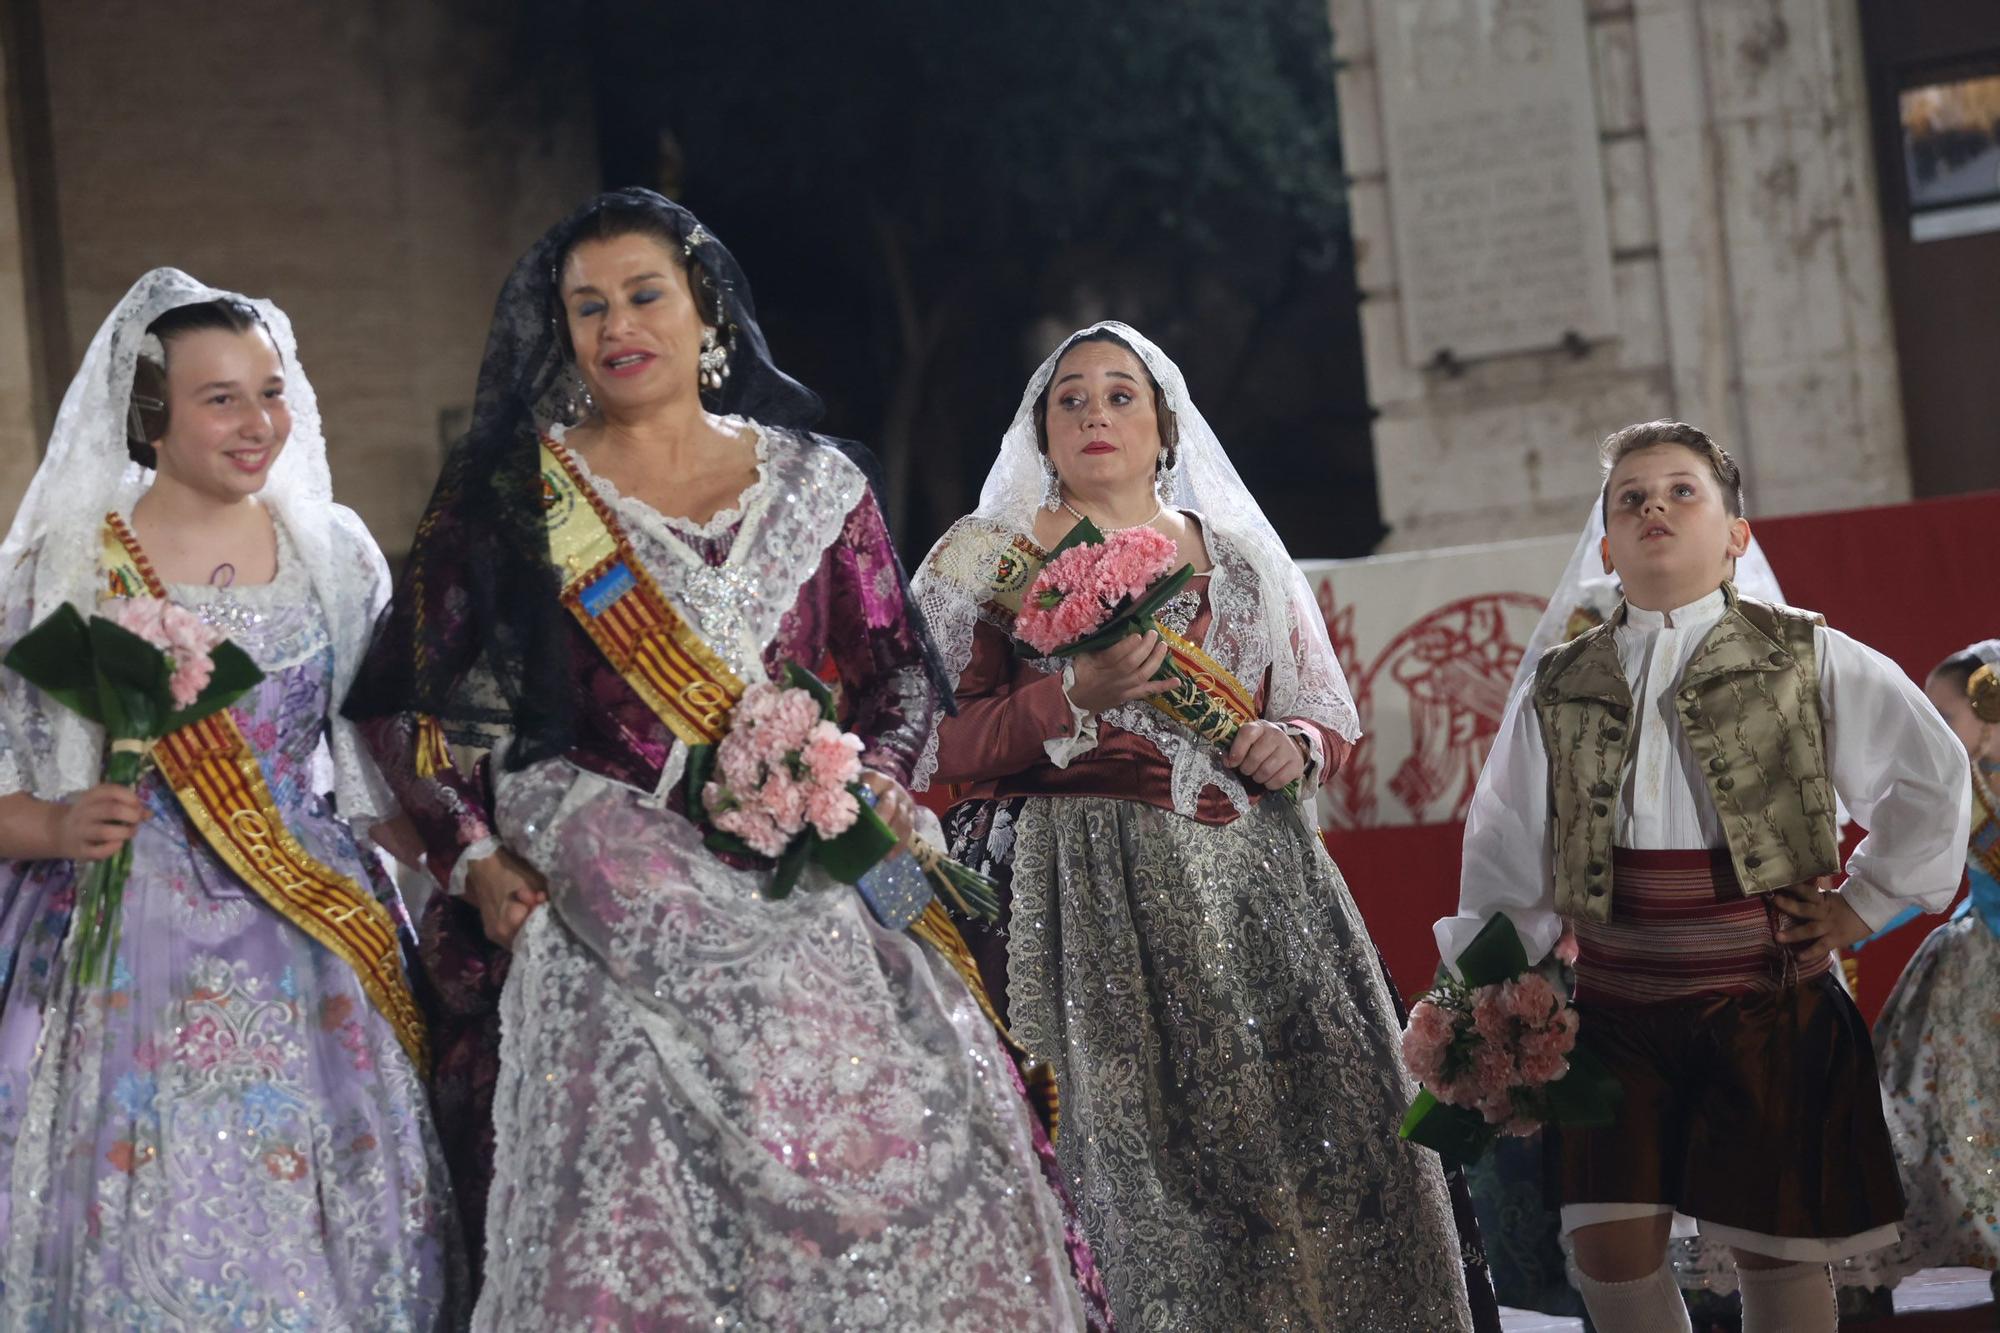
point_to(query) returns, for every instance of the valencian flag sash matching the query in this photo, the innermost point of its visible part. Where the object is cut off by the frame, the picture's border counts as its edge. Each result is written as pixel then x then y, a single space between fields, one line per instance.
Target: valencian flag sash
pixel 215 776
pixel 1212 703
pixel 680 677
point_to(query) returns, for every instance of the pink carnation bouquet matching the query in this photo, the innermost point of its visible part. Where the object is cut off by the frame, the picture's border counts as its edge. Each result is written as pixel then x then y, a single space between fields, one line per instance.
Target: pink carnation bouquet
pixel 781 770
pixel 1098 585
pixel 144 671
pixel 784 783
pixel 1496 1054
pixel 1095 590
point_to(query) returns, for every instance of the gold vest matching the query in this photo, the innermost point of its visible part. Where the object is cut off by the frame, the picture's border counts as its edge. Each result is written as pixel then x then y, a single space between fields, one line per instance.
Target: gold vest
pixel 1750 708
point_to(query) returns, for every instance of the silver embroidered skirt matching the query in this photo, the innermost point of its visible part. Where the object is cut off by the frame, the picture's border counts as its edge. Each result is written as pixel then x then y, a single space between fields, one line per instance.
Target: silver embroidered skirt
pixel 1228 1059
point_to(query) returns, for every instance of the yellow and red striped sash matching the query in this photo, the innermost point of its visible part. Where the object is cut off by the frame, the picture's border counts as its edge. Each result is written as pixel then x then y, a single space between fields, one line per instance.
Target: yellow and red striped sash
pixel 622 609
pixel 1214 703
pixel 682 679
pixel 215 776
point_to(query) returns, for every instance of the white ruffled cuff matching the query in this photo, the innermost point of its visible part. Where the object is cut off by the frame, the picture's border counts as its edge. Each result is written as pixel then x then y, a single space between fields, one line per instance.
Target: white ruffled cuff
pixel 1315 756
pixel 1083 727
pixel 478 851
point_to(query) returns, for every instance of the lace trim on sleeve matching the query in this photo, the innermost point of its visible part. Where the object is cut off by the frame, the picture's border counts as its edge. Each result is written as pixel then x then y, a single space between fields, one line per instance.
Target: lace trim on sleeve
pixel 1064 750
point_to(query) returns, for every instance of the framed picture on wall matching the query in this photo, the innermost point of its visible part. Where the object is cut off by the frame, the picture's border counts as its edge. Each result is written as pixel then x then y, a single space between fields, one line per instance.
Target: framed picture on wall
pixel 1950 120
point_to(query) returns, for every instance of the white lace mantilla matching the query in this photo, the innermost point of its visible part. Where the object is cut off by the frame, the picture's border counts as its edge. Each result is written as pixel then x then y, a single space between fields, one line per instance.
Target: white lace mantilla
pixel 52 550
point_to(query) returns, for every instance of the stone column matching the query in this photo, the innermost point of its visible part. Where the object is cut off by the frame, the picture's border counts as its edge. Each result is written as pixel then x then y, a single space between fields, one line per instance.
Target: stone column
pixel 20 445
pixel 1745 247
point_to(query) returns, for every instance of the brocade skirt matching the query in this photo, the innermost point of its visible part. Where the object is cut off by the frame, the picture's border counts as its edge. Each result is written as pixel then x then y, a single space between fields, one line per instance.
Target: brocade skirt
pixel 1229 1063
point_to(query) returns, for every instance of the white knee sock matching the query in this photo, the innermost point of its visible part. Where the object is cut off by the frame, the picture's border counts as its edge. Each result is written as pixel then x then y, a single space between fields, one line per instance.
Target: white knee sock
pixel 1649 1305
pixel 1797 1298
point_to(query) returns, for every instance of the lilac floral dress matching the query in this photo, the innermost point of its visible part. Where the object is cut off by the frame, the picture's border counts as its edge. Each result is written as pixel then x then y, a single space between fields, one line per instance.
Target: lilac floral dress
pixel 228 1135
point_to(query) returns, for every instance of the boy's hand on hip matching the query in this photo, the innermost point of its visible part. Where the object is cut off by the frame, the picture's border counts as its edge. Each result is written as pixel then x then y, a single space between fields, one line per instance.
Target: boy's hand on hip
pixel 1817 920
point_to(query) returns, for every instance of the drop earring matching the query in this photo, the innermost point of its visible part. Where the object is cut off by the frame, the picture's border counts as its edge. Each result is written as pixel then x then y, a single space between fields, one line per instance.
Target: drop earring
pixel 1163 477
pixel 1052 496
pixel 714 361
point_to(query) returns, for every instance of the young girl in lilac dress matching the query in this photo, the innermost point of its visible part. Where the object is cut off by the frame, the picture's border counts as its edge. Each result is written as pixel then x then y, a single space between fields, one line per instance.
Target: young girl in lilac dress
pixel 230 1131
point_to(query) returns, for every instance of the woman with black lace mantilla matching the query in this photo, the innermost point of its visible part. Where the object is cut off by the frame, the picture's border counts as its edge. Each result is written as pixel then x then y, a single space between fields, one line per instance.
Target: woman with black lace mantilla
pixel 711 1106
pixel 1180 946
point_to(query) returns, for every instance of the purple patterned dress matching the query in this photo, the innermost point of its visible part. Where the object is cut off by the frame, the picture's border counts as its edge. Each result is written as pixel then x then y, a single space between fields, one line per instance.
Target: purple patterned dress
pixel 228 1136
pixel 798 1117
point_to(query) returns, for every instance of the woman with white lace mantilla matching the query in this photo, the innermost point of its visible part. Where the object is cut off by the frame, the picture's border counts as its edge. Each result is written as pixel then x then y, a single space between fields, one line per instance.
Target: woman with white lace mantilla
pixel 1180 946
pixel 226 1128
pixel 714 1107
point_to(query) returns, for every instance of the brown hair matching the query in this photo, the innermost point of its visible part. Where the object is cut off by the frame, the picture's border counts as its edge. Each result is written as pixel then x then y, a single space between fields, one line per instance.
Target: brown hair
pixel 1647 434
pixel 1959 669
pixel 1170 433
pixel 146 415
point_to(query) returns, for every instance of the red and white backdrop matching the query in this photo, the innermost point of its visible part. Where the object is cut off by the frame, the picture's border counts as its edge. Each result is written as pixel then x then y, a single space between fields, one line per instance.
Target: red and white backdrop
pixel 1430 642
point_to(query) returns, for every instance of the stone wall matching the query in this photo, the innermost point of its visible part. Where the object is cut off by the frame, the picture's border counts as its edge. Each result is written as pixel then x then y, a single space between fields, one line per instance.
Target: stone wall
pixel 19 445
pixel 1747 264
pixel 367 165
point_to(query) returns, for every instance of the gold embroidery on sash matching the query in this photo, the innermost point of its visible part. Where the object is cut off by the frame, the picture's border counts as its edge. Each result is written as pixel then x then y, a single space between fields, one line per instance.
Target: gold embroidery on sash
pixel 215 776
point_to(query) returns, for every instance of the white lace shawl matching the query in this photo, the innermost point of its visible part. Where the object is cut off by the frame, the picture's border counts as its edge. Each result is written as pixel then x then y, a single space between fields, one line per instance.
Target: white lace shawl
pixel 1260 599
pixel 52 551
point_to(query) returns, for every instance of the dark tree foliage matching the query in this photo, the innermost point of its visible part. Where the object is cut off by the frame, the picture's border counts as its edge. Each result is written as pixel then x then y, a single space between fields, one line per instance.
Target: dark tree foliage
pixel 927 194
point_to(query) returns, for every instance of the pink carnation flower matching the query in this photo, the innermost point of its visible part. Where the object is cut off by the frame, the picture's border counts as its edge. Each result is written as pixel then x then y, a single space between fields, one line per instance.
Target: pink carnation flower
pixel 1425 1042
pixel 1076 593
pixel 141 616
pixel 754 828
pixel 832 756
pixel 1494 1072
pixel 832 811
pixel 1489 1015
pixel 180 634
pixel 1530 999
pixel 782 800
pixel 190 678
pixel 781 769
pixel 1133 561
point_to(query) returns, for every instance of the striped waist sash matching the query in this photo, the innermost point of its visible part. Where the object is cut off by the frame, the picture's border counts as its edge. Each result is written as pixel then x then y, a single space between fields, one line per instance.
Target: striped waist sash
pixel 1681 927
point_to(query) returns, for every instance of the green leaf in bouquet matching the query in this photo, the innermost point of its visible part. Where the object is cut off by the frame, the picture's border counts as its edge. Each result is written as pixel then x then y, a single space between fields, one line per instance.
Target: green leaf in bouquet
pixel 1457 1135
pixel 700 768
pixel 1134 619
pixel 1161 593
pixel 127 662
pixel 792 863
pixel 1115 630
pixel 235 675
pixel 718 841
pixel 54 657
pixel 867 840
pixel 1495 954
pixel 122 710
pixel 1588 1096
pixel 798 678
pixel 1085 533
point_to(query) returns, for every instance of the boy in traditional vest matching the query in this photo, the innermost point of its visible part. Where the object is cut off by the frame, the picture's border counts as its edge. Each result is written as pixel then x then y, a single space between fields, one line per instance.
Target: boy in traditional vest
pixel 1667 784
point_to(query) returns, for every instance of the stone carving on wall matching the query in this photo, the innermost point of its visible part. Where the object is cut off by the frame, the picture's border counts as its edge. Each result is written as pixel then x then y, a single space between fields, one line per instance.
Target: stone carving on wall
pixel 1495 186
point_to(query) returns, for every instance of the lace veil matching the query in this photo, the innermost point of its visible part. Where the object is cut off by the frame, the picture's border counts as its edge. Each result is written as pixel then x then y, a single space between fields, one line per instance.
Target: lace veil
pixel 479 591
pixel 1286 631
pixel 52 551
